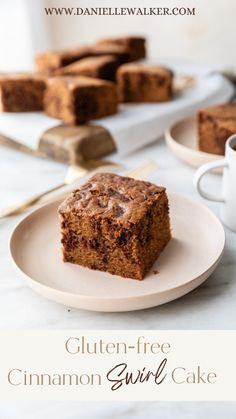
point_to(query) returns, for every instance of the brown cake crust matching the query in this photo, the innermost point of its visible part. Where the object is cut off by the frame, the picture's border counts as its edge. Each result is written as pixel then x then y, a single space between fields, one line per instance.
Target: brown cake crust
pixel 76 100
pixel 50 61
pixel 121 52
pixel 21 92
pixel 115 224
pixel 141 83
pixel 215 125
pixel 102 67
pixel 136 44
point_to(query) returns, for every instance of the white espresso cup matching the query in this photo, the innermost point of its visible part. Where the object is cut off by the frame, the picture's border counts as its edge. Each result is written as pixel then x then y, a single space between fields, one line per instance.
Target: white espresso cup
pixel 228 190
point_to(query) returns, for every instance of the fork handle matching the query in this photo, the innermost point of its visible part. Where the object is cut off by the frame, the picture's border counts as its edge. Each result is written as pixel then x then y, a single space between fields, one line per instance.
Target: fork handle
pixel 17 209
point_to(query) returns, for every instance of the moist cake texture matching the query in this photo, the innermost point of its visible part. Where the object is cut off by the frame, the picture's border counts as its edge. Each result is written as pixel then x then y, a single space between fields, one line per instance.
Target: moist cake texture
pixel 76 100
pixel 115 224
pixel 21 92
pixel 101 67
pixel 215 125
pixel 142 83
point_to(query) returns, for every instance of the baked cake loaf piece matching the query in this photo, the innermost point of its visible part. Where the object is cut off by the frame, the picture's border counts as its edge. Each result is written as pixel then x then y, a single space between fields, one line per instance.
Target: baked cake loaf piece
pixel 102 67
pixel 215 125
pixel 21 93
pixel 76 100
pixel 141 83
pixel 121 52
pixel 115 224
pixel 134 43
pixel 50 61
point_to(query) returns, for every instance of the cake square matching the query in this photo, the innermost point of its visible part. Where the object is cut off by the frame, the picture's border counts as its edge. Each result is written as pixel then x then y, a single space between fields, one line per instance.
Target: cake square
pixel 50 61
pixel 136 45
pixel 76 100
pixel 142 83
pixel 215 125
pixel 115 224
pixel 121 52
pixel 21 92
pixel 101 67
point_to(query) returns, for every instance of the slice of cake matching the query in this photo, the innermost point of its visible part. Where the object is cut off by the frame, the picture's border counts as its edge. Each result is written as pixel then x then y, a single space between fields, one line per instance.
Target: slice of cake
pixel 136 44
pixel 102 67
pixel 76 100
pixel 115 224
pixel 21 92
pixel 121 52
pixel 50 61
pixel 142 83
pixel 215 125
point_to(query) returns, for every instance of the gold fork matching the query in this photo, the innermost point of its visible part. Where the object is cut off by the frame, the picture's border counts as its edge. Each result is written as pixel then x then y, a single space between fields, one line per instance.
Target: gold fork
pixel 140 172
pixel 73 173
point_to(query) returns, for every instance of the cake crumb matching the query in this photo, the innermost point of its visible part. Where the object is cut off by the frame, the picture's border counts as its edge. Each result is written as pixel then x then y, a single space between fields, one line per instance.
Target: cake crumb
pixel 156 272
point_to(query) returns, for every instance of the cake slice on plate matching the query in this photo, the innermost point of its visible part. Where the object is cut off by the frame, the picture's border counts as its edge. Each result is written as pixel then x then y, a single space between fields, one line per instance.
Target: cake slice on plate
pixel 115 224
pixel 215 125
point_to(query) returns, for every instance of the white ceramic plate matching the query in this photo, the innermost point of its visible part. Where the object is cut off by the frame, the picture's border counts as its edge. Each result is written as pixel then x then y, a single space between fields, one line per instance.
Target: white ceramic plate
pixel 182 139
pixel 188 260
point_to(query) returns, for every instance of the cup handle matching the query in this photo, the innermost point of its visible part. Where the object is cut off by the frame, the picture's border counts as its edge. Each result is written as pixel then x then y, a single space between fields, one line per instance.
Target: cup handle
pixel 201 172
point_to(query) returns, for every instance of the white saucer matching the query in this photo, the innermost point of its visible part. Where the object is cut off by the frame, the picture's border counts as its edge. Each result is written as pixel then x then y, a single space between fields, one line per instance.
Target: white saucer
pixel 182 139
pixel 188 260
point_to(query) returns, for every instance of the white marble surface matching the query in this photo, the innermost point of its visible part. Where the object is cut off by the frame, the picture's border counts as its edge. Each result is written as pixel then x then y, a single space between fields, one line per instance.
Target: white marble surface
pixel 211 306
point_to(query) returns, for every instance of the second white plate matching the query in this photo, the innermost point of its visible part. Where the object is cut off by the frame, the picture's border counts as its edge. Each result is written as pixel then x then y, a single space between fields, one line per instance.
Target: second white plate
pixel 189 258
pixel 182 139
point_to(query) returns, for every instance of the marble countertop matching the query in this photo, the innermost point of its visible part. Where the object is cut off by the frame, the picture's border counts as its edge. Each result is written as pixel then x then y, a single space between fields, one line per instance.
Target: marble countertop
pixel 211 306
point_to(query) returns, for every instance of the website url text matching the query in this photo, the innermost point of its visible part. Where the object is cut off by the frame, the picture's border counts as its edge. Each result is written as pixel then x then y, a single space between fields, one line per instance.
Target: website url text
pixel 120 11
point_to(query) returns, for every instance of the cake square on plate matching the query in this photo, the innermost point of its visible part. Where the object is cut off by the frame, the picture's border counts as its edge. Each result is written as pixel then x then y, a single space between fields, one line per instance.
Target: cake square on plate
pixel 215 125
pixel 115 224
